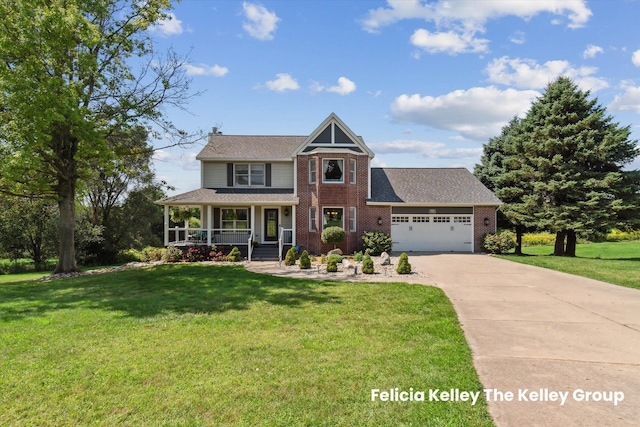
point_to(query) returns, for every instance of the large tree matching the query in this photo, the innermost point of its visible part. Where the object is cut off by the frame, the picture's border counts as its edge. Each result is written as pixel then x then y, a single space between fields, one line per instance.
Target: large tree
pixel 574 155
pixel 72 73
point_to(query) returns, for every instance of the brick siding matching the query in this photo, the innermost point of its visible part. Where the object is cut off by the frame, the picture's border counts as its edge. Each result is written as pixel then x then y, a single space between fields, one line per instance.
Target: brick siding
pixel 479 214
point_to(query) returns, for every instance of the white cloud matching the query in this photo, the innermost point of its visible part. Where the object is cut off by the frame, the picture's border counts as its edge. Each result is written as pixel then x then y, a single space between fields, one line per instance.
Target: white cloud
pixel 629 100
pixel 261 23
pixel 591 51
pixel 635 58
pixel 282 83
pixel 478 113
pixel 449 42
pixel 528 74
pixel 171 26
pixel 473 14
pixel 430 150
pixel 344 87
pixel 518 38
pixel 205 70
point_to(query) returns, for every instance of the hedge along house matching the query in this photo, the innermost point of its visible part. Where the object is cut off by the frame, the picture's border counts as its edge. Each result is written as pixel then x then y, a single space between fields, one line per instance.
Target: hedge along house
pixel 275 191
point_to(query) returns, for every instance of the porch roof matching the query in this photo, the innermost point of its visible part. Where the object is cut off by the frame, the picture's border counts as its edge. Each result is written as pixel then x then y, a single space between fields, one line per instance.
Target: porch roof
pixel 210 196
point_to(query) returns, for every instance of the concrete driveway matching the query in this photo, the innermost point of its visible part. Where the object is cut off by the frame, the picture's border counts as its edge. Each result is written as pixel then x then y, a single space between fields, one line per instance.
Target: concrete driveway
pixel 535 331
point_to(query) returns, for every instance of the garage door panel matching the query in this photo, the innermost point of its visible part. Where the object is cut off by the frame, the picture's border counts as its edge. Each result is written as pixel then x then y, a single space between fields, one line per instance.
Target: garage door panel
pixel 438 233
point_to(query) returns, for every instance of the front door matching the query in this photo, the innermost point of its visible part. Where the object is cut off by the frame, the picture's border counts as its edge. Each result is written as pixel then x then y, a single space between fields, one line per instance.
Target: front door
pixel 270 225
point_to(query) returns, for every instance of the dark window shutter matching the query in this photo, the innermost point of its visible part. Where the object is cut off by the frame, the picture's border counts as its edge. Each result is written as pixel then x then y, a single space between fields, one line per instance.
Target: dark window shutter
pixel 267 175
pixel 229 174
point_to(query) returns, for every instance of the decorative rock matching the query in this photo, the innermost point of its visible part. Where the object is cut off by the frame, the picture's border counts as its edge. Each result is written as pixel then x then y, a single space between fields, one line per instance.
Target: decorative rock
pixel 347 264
pixel 336 251
pixel 385 259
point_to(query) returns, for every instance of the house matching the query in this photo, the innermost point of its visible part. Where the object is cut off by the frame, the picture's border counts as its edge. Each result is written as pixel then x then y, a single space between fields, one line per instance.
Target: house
pixel 284 190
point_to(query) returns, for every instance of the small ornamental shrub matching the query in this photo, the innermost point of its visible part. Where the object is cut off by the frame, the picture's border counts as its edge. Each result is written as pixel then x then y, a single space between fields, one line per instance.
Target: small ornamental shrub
pixel 290 257
pixel 234 255
pixel 403 264
pixel 198 253
pixel 333 236
pixel 358 256
pixel 312 258
pixel 172 254
pixel 499 243
pixel 151 253
pixel 376 242
pixel 332 265
pixel 323 259
pixel 129 255
pixel 338 258
pixel 217 256
pixel 367 265
pixel 305 262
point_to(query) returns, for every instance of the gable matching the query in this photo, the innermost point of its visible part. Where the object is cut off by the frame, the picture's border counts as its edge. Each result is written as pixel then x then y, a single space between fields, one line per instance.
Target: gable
pixel 333 134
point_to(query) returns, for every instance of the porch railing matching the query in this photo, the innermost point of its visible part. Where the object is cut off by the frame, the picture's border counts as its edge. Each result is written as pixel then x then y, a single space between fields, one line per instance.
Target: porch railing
pixel 285 238
pixel 250 247
pixel 219 236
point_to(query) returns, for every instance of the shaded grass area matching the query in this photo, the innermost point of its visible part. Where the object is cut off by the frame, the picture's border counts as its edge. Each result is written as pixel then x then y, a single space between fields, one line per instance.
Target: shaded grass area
pixel 612 262
pixel 217 345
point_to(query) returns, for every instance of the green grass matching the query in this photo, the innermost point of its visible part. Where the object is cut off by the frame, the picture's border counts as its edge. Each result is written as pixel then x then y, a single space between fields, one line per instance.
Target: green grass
pixel 215 345
pixel 612 262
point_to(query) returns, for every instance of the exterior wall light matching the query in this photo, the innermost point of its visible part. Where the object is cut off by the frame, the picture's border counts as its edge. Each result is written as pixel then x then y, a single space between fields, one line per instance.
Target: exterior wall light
pixel 286 211
pixel 486 222
pixel 379 220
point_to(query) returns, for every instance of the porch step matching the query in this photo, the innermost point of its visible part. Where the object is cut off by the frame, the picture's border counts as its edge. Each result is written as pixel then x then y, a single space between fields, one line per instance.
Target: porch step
pixel 265 253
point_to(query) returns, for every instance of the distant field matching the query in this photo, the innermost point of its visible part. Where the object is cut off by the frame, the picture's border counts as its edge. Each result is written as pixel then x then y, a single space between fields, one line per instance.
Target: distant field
pixel 612 262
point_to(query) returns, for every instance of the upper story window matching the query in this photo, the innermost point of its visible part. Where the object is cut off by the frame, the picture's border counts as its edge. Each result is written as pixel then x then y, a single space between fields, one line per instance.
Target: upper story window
pixel 249 174
pixel 312 171
pixel 333 170
pixel 352 171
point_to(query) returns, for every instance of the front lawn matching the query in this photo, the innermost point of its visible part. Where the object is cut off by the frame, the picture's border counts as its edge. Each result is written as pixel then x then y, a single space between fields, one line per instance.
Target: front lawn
pixel 215 345
pixel 612 262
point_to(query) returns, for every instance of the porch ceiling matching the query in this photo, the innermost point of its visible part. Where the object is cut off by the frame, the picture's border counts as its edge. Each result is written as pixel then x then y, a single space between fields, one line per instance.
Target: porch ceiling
pixel 209 196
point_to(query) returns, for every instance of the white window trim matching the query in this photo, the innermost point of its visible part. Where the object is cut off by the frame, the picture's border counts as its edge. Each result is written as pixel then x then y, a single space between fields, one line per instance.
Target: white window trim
pixel 264 175
pixel 353 225
pixel 235 221
pixel 332 207
pixel 352 171
pixel 312 219
pixel 324 181
pixel 312 171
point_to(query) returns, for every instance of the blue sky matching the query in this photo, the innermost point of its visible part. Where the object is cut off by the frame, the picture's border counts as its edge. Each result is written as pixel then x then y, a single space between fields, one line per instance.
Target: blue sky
pixel 426 83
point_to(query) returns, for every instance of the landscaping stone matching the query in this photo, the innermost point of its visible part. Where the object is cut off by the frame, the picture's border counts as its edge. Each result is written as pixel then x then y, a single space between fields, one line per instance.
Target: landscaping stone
pixel 336 251
pixel 385 259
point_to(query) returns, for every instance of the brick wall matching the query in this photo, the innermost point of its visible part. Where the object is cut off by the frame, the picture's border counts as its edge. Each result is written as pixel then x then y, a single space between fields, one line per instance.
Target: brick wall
pixel 343 195
pixel 479 214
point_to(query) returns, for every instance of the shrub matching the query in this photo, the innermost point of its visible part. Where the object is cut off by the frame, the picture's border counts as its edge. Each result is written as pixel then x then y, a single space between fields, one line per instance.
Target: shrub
pixel 538 239
pixel 234 255
pixel 403 264
pixel 290 257
pixel 376 242
pixel 332 265
pixel 217 256
pixel 323 259
pixel 338 258
pixel 129 255
pixel 312 258
pixel 616 235
pixel 151 253
pixel 198 253
pixel 358 256
pixel 172 254
pixel 333 235
pixel 305 262
pixel 367 265
pixel 499 243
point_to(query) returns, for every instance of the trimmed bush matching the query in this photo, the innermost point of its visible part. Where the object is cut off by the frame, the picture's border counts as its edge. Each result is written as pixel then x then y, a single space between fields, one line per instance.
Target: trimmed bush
pixel 358 256
pixel 376 242
pixel 333 235
pixel 323 259
pixel 290 257
pixel 234 255
pixel 403 264
pixel 499 243
pixel 338 258
pixel 172 254
pixel 305 262
pixel 129 255
pixel 367 265
pixel 332 265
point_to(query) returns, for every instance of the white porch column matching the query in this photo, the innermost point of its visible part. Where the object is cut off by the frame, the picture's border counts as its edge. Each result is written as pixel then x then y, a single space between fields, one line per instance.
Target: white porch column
pixel 209 222
pixel 293 225
pixel 166 225
pixel 253 221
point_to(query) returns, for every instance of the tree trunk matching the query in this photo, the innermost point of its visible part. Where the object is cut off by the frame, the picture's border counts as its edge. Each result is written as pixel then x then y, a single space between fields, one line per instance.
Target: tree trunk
pixel 570 250
pixel 66 228
pixel 559 246
pixel 519 230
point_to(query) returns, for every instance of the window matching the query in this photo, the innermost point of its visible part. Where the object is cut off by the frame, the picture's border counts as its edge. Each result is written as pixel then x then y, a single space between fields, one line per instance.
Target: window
pixel 352 220
pixel 249 174
pixel 332 170
pixel 332 217
pixel 441 219
pixel 235 218
pixel 420 219
pixel 399 219
pixel 312 171
pixel 464 219
pixel 352 171
pixel 312 219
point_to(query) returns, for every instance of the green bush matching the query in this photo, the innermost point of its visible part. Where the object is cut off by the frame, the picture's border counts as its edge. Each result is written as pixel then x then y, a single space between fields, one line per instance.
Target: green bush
pixel 129 255
pixel 499 243
pixel 376 242
pixel 172 254
pixel 358 256
pixel 234 255
pixel 151 253
pixel 338 258
pixel 332 265
pixel 403 264
pixel 305 262
pixel 323 259
pixel 290 257
pixel 367 265
pixel 333 235
pixel 616 235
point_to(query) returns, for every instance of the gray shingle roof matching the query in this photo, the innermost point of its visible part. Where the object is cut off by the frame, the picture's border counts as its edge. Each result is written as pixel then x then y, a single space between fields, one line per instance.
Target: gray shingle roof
pixel 227 196
pixel 455 186
pixel 250 147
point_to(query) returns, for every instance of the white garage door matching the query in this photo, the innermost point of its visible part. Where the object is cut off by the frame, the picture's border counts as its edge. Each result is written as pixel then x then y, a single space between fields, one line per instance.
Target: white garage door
pixel 432 233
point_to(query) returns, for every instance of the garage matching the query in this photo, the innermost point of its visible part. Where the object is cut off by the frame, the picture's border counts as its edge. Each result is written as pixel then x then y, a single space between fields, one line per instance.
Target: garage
pixel 432 232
